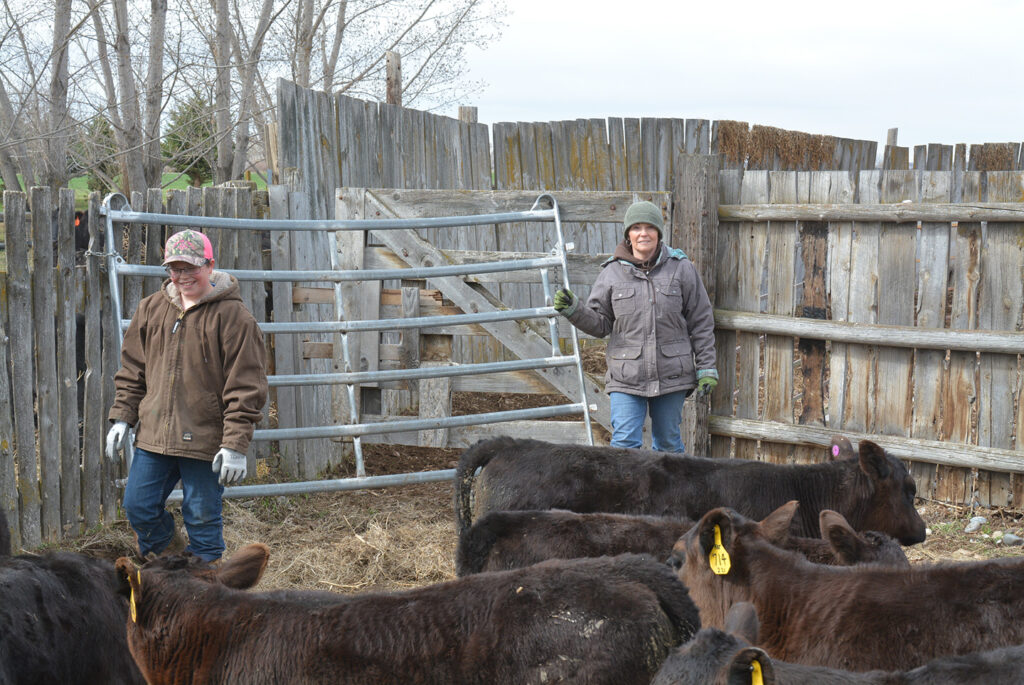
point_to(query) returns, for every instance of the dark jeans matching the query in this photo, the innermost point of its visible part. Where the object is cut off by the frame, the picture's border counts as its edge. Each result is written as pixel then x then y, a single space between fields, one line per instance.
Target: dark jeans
pixel 151 480
pixel 628 414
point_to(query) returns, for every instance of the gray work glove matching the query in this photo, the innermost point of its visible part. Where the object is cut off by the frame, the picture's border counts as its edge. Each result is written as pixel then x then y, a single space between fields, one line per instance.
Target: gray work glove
pixel 231 465
pixel 117 439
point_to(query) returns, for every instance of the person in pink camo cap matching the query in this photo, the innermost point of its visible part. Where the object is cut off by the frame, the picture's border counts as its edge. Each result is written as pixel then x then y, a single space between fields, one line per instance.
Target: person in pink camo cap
pixel 193 383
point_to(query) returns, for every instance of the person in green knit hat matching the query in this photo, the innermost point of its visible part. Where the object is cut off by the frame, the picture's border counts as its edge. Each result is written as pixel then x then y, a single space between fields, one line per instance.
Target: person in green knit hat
pixel 650 299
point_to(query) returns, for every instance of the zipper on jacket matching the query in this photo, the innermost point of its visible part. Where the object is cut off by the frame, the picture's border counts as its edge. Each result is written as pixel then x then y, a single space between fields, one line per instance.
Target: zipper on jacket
pixel 177 323
pixel 177 356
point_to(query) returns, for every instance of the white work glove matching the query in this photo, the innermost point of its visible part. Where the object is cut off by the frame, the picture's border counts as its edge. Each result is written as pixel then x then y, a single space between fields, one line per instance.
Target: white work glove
pixel 231 465
pixel 117 438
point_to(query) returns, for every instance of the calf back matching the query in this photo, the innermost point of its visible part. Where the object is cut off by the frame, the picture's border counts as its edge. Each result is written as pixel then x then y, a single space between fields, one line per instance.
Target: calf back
pixel 608 620
pixel 62 621
pixel 873 491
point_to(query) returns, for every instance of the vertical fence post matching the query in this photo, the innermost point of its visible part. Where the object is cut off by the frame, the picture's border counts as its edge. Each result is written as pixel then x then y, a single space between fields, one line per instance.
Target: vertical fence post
pixel 695 224
pixel 393 67
pixel 93 409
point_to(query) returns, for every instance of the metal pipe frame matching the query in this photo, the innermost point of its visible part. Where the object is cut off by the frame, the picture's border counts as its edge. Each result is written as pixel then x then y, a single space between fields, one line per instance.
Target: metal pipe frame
pixel 406 425
pixel 398 324
pixel 361 274
pixel 131 217
pixel 116 266
pixel 418 373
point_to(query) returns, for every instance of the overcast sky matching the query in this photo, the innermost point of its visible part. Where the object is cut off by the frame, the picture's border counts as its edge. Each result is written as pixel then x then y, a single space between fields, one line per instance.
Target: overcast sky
pixel 939 71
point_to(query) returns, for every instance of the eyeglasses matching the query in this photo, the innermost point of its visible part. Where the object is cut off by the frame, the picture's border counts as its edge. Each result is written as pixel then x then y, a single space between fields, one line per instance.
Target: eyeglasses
pixel 173 271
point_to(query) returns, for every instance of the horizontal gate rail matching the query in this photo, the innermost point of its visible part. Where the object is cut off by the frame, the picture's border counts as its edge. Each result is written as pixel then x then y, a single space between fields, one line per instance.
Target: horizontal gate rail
pixel 116 210
pixel 363 274
pixel 387 375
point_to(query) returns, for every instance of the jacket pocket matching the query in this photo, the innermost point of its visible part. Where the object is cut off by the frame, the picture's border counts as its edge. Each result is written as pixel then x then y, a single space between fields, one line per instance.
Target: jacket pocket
pixel 624 364
pixel 670 300
pixel 624 301
pixel 676 360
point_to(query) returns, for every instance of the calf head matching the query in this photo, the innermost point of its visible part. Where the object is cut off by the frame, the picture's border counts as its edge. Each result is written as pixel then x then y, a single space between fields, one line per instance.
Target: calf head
pixel 240 571
pixel 724 530
pixel 178 595
pixel 721 657
pixel 883 492
pixel 851 547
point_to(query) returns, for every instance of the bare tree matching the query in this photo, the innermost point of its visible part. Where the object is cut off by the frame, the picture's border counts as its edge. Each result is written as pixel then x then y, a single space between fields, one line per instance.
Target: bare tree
pixel 74 68
pixel 57 141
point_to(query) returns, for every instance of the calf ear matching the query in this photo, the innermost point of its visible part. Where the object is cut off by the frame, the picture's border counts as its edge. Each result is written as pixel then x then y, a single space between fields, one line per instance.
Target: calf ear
pixel 873 460
pixel 745 662
pixel 775 526
pixel 126 570
pixel 841 537
pixel 840 448
pixel 720 517
pixel 742 622
pixel 244 568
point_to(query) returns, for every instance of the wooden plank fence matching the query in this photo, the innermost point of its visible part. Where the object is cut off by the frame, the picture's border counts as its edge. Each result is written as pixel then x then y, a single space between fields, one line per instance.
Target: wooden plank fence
pixel 913 309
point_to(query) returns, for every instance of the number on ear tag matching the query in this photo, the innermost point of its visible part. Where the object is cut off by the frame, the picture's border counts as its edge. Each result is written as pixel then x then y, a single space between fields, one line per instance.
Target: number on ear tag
pixel 755 673
pixel 719 558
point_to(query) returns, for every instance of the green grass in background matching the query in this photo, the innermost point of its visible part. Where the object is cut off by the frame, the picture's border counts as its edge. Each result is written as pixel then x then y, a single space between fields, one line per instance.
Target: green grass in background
pixel 171 181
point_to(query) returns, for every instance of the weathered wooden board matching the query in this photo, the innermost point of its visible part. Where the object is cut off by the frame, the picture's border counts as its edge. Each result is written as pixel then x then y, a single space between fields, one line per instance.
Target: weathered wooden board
pixel 726 297
pixel 749 272
pixel 20 318
pixel 897 274
pixel 1001 305
pixel 286 351
pixel 68 455
pixel 812 299
pixel 932 278
pixel 780 265
pixel 862 307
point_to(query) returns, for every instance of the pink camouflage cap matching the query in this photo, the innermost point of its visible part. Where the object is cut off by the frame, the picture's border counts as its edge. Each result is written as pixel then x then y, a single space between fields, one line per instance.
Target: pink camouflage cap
pixel 188 246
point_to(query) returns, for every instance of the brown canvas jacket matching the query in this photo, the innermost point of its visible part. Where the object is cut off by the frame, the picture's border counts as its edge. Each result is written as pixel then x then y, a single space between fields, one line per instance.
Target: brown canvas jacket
pixel 192 381
pixel 661 324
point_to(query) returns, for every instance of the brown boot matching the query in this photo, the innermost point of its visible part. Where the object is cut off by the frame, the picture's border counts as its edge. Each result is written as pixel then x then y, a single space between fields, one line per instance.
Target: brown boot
pixel 177 544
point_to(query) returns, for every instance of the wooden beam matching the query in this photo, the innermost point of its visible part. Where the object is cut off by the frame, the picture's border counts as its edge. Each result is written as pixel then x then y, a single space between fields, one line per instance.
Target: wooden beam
pixel 894 213
pixel 946 453
pixel 586 206
pixel 1001 342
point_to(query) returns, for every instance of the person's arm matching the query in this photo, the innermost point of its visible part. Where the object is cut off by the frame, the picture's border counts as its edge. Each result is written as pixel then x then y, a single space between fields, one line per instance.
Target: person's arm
pixel 594 317
pixel 130 379
pixel 700 320
pixel 245 382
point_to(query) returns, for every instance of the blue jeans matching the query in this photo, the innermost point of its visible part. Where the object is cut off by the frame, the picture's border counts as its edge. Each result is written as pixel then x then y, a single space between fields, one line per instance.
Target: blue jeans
pixel 150 481
pixel 628 414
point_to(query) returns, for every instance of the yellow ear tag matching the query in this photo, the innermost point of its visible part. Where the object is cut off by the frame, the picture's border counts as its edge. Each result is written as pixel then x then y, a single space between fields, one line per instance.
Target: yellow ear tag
pixel 719 558
pixel 131 600
pixel 755 673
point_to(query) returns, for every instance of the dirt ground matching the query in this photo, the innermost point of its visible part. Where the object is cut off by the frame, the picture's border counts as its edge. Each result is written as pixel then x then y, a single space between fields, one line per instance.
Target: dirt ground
pixel 404 536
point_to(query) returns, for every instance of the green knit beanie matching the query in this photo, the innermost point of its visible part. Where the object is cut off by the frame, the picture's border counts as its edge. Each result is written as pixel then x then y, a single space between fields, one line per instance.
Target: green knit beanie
pixel 643 213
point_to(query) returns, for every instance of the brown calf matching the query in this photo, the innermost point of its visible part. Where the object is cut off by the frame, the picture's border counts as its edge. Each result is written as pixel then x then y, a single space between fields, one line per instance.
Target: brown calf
pixel 855 618
pixel 608 620
pixel 873 490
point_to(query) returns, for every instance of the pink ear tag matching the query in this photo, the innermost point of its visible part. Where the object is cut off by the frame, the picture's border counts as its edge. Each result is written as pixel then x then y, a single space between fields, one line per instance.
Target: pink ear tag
pixel 835 450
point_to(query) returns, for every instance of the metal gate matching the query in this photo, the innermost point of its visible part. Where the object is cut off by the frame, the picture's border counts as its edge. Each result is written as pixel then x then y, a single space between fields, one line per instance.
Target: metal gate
pixel 115 209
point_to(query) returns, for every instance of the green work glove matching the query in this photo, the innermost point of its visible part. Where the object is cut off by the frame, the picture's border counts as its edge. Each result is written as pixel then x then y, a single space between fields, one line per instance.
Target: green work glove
pixel 706 385
pixel 563 299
